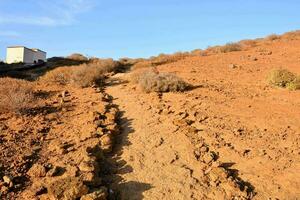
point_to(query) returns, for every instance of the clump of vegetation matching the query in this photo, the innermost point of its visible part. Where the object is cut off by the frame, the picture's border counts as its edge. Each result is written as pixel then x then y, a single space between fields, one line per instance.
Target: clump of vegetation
pixel 229 47
pixel 142 64
pixel 248 43
pixel 86 76
pixel 294 85
pixel 168 58
pixel 60 76
pixel 284 78
pixel 83 75
pixel 273 37
pixel 77 57
pixel 153 81
pixel 16 95
pixel 292 35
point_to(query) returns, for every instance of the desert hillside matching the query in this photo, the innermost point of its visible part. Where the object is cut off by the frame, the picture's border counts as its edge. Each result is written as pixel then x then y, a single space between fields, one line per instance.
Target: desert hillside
pixel 220 123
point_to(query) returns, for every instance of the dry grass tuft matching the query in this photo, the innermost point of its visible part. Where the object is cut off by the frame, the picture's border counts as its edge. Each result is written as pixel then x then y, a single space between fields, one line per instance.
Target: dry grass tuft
pixel 292 35
pixel 142 64
pixel 166 58
pixel 230 47
pixel 273 37
pixel 83 75
pixel 283 78
pixel 248 43
pixel 15 95
pixel 294 85
pixel 153 81
pixel 86 76
pixel 60 76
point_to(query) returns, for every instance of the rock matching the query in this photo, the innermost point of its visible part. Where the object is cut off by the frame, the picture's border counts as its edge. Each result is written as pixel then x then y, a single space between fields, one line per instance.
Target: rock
pixel 208 158
pixel 38 189
pixel 106 140
pixel 65 93
pixel 254 59
pixel 37 170
pixel 204 149
pixel 232 66
pixel 88 166
pixel 100 194
pixel 7 179
pixel 91 179
pixel 218 174
pixel 54 171
pixel 4 190
pixel 69 188
pixel 199 126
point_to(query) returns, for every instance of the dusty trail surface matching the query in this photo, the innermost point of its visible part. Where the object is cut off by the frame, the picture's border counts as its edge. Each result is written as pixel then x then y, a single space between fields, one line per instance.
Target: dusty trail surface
pixel 154 159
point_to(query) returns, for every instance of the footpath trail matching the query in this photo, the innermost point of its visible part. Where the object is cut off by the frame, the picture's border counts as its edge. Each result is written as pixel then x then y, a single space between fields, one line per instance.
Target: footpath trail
pixel 153 159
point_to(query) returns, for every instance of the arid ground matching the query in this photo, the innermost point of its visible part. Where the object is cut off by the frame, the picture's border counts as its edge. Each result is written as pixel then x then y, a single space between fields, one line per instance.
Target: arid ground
pixel 230 135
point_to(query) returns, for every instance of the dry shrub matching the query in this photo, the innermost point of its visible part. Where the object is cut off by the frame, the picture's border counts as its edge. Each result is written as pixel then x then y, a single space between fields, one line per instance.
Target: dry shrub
pixel 142 64
pixel 152 81
pixel 83 75
pixel 229 47
pixel 213 49
pixel 291 35
pixel 87 75
pixel 77 57
pixel 15 95
pixel 272 37
pixel 248 43
pixel 283 78
pixel 130 61
pixel 61 76
pixel 197 52
pixel 294 85
pixel 165 58
pixel 104 65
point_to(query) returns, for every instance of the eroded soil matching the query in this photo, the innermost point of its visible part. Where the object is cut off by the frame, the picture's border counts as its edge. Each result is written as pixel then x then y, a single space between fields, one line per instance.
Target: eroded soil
pixel 232 136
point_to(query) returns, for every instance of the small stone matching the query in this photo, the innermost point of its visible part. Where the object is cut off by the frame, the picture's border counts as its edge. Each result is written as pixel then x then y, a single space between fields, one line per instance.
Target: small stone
pixel 100 194
pixel 232 66
pixel 204 149
pixel 88 166
pixel 67 188
pixel 4 190
pixel 65 93
pixel 54 171
pixel 7 179
pixel 37 170
pixel 106 139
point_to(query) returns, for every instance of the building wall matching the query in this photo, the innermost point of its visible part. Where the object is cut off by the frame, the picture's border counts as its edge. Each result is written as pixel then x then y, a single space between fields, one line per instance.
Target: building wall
pixel 39 55
pixel 25 55
pixel 14 55
pixel 28 56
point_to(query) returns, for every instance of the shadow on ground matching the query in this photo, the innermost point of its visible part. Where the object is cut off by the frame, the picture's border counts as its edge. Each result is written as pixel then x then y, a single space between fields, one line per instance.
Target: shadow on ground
pixel 116 167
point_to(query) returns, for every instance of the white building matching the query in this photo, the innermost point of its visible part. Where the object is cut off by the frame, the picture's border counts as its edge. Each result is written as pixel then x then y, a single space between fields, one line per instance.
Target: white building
pixel 16 54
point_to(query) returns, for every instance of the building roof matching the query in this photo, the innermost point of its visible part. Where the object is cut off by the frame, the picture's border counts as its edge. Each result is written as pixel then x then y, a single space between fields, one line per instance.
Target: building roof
pixel 33 49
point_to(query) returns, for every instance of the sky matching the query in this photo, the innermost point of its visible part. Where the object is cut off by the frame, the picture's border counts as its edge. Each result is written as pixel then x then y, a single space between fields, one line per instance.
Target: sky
pixel 139 28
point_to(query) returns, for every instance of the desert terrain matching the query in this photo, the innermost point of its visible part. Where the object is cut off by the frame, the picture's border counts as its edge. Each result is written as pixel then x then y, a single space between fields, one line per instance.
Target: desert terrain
pixel 222 130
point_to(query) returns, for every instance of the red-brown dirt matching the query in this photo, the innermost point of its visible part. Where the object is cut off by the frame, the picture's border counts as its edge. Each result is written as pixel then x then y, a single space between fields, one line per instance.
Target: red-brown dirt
pixel 231 136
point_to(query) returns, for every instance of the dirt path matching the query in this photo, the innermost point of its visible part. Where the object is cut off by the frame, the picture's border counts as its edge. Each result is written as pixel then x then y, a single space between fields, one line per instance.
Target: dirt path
pixel 154 160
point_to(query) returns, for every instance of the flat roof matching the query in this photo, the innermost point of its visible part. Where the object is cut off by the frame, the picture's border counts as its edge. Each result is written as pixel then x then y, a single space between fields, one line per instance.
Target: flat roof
pixel 33 49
